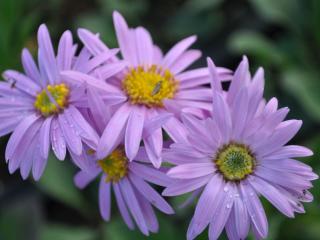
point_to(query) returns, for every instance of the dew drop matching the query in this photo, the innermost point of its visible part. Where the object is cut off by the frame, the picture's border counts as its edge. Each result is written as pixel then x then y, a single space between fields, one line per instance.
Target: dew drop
pixel 226 189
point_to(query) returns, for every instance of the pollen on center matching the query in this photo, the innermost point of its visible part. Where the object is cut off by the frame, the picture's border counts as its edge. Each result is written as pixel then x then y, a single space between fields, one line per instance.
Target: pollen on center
pixel 115 166
pixel 149 86
pixel 52 100
pixel 235 161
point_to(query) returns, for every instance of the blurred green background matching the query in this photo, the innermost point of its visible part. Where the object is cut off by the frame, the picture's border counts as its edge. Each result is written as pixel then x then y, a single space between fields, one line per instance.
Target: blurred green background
pixel 281 35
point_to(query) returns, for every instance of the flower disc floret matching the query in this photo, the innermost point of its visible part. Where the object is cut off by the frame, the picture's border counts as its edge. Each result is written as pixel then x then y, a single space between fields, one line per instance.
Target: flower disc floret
pixel 149 86
pixel 115 166
pixel 235 161
pixel 46 106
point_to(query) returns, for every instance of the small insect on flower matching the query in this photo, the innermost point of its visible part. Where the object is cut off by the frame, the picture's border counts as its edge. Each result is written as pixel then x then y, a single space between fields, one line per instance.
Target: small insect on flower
pixel 40 106
pixel 156 87
pixel 236 155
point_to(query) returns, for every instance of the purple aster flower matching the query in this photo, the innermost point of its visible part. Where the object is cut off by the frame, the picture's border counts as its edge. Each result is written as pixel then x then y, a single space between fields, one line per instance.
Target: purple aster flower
pixel 128 179
pixel 238 155
pixel 134 196
pixel 156 87
pixel 40 106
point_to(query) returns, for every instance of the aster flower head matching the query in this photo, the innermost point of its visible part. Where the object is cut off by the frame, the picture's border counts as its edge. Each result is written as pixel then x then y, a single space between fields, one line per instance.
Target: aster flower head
pixel 237 155
pixel 40 107
pixel 129 180
pixel 135 197
pixel 156 88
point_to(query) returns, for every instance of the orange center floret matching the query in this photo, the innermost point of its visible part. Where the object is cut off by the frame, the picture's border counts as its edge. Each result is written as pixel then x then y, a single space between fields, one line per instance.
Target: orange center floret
pixel 149 86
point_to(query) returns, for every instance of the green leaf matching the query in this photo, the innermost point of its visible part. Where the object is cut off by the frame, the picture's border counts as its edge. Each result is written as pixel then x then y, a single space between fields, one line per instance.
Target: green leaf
pixel 247 42
pixel 57 181
pixel 304 85
pixel 201 5
pixel 279 11
pixel 20 218
pixel 63 232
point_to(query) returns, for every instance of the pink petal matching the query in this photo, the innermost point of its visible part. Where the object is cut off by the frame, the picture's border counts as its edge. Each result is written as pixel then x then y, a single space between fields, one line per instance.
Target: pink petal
pixel 221 114
pixel 22 82
pixel 83 178
pixel 185 60
pixel 30 66
pixel 176 51
pixel 272 195
pixel 153 145
pixel 179 187
pixel 220 217
pixel 134 131
pixel 45 137
pixel 206 207
pixel 49 61
pixel 239 114
pixel 100 59
pixel 150 194
pixel 150 174
pixel 240 76
pixel 112 133
pixel 57 140
pixel 144 46
pixel 65 51
pixel 215 82
pixel 122 206
pixel 155 123
pixel 148 214
pixel 255 209
pixel 133 205
pixel 191 170
pixel 70 134
pixel 125 39
pixel 79 78
pixel 105 199
pixel 92 42
pixel 18 135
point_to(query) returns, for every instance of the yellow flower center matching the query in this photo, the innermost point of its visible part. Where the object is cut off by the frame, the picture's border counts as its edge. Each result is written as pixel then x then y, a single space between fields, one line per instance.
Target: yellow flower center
pixel 149 86
pixel 115 165
pixel 235 161
pixel 45 105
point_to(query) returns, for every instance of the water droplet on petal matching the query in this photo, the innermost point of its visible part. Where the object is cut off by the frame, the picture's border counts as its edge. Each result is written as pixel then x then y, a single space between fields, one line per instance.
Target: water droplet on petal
pixel 226 189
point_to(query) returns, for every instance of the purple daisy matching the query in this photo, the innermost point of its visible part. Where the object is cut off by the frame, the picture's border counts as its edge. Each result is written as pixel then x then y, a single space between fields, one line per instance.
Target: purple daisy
pixel 40 106
pixel 156 87
pixel 238 155
pixel 134 196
